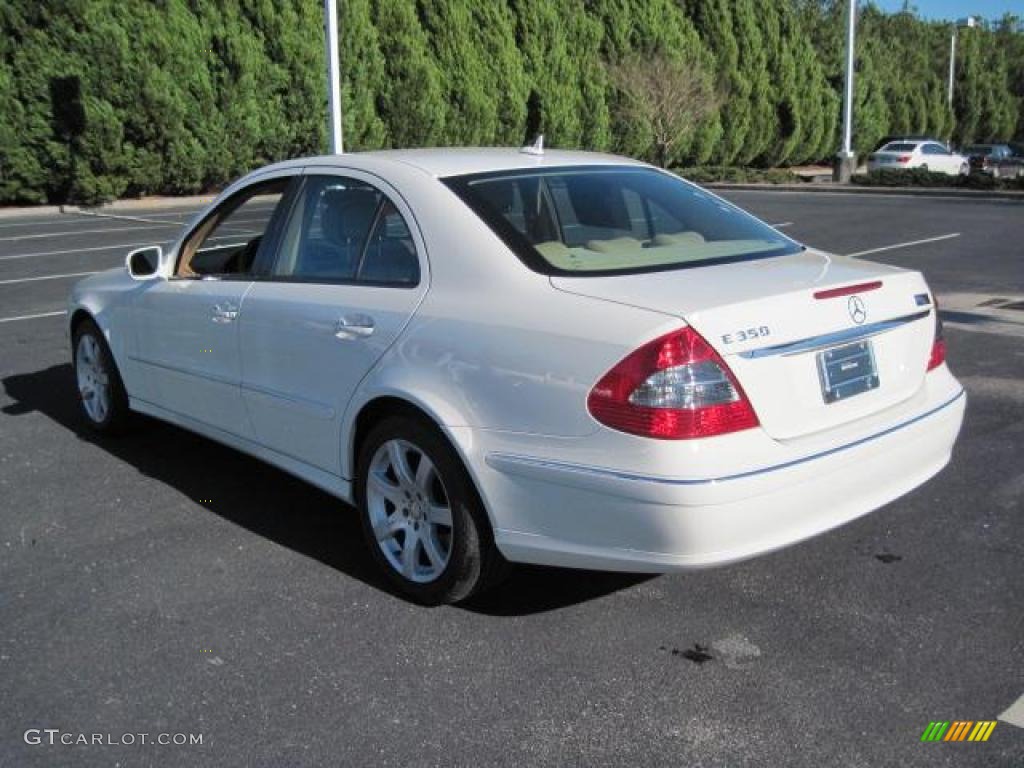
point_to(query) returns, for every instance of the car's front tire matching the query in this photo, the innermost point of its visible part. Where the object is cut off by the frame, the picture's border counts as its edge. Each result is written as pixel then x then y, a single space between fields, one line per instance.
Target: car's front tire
pixel 100 389
pixel 423 520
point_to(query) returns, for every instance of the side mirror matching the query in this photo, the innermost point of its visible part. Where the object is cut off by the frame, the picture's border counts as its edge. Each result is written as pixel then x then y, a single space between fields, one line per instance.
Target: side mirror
pixel 144 263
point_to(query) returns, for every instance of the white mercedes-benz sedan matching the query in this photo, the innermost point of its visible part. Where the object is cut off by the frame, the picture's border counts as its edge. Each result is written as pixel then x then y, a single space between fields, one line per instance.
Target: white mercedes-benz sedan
pixel 926 155
pixel 505 356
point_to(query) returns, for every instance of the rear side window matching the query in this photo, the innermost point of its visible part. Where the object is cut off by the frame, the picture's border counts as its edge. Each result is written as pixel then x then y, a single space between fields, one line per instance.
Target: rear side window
pixel 606 220
pixel 898 147
pixel 390 255
pixel 345 230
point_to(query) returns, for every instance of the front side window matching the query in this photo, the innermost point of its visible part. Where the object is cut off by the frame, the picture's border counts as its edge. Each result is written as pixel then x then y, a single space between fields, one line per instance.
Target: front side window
pixel 345 230
pixel 225 244
pixel 614 220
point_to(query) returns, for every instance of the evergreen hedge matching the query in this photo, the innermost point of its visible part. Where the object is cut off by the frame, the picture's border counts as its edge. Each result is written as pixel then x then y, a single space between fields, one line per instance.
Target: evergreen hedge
pixel 108 98
pixel 919 177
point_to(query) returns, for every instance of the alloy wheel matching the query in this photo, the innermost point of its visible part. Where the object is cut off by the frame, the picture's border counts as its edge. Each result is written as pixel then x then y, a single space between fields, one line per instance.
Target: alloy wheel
pixel 93 378
pixel 409 511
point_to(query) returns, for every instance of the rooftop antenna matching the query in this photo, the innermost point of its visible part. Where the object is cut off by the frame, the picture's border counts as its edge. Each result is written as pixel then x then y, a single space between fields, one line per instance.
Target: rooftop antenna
pixel 537 148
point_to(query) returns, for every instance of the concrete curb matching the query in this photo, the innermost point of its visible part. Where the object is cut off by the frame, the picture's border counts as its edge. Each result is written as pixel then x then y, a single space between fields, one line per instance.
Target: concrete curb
pixel 36 210
pixel 853 189
pixel 144 203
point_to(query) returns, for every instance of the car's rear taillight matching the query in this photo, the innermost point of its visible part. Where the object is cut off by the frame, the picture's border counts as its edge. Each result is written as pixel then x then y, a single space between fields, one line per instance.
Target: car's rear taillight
pixel 938 355
pixel 675 387
pixel 903 159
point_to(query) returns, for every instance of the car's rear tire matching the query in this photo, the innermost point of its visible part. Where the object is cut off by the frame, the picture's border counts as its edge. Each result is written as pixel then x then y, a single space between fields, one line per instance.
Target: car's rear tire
pixel 422 517
pixel 965 169
pixel 100 388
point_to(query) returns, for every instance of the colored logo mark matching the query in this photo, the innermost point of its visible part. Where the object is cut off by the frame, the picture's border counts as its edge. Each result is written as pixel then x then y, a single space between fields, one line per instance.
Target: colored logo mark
pixel 958 730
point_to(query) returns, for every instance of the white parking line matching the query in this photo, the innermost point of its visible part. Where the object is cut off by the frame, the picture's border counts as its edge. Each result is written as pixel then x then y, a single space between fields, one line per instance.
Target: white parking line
pixel 782 224
pixel 161 218
pixel 11 257
pixel 122 246
pixel 1014 715
pixel 74 232
pixel 121 217
pixel 907 244
pixel 50 222
pixel 32 317
pixel 45 277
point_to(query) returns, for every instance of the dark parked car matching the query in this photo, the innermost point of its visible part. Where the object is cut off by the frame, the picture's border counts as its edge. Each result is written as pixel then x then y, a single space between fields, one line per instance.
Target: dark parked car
pixel 1000 160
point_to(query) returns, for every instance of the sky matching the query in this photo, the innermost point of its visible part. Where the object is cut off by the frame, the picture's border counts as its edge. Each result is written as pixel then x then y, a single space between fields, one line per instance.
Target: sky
pixel 954 9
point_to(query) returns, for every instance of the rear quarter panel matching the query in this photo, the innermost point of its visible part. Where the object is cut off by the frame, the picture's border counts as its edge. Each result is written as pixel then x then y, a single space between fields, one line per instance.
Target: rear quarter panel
pixel 494 346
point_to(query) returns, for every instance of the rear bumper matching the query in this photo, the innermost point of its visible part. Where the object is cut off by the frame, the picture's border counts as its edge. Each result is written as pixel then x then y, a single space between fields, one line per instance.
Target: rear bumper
pixel 555 512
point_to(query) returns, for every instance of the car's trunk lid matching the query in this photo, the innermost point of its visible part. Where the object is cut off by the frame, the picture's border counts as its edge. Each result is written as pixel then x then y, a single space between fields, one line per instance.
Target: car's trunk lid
pixel 764 318
pixel 889 158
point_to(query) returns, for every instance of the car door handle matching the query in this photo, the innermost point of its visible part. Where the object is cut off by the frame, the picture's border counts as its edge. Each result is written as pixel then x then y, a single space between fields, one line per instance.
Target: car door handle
pixel 351 327
pixel 224 313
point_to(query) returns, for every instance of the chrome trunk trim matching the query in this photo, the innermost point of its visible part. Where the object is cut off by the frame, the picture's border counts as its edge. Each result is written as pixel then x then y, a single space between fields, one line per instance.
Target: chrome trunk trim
pixel 813 343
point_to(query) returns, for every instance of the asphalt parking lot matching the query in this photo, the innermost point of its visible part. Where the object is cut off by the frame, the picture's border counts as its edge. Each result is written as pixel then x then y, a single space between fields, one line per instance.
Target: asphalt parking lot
pixel 161 583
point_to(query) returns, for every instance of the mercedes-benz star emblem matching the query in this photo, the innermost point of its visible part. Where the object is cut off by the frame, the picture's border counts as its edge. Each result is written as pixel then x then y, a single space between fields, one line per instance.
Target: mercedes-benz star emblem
pixel 858 312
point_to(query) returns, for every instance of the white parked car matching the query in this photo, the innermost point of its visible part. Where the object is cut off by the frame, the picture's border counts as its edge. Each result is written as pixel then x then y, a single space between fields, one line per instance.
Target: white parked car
pixel 568 359
pixel 926 155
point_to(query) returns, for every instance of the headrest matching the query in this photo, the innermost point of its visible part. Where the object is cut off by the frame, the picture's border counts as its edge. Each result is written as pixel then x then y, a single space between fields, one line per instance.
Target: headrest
pixel 615 245
pixel 679 238
pixel 348 213
pixel 500 194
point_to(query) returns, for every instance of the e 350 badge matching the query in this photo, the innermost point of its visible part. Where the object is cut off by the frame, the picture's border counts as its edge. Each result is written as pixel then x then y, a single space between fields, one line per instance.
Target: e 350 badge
pixel 746 334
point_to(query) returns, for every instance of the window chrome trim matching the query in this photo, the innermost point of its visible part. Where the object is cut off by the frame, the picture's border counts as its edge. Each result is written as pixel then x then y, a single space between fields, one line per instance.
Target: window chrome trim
pixel 813 343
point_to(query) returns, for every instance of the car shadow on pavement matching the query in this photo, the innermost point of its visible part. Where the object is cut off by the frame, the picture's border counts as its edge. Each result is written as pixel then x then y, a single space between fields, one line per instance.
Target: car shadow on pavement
pixel 277 506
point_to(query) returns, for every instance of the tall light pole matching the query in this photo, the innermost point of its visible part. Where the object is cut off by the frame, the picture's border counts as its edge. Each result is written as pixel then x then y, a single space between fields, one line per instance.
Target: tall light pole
pixel 846 160
pixel 333 74
pixel 970 21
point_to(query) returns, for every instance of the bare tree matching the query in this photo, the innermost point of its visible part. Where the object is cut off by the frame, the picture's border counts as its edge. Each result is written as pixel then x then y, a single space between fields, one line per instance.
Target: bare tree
pixel 671 94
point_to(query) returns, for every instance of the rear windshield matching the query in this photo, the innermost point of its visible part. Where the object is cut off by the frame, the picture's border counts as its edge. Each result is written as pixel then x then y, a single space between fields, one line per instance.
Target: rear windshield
pixel 898 147
pixel 979 149
pixel 607 220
